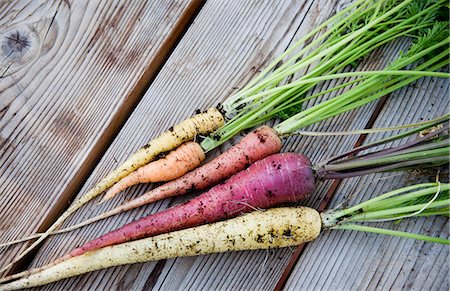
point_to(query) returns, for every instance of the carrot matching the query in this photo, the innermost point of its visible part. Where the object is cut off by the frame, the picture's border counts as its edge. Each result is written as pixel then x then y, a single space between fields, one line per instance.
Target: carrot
pixel 273 228
pixel 186 130
pixel 278 179
pixel 177 163
pixel 256 145
pixel 404 156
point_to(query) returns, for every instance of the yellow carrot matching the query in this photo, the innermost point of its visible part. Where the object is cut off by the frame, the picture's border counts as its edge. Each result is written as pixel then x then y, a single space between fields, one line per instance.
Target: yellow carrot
pixel 200 124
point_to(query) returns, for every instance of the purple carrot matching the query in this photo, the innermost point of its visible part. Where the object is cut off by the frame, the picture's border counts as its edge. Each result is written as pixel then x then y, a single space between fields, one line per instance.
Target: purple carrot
pixel 275 180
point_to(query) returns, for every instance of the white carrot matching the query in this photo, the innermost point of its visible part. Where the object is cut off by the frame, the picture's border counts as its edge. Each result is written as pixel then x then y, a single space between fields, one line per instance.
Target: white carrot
pixel 274 228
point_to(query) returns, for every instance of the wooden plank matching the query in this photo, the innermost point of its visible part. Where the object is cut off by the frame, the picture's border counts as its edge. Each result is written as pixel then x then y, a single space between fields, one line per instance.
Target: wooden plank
pixel 341 260
pixel 72 71
pixel 214 57
pixel 216 54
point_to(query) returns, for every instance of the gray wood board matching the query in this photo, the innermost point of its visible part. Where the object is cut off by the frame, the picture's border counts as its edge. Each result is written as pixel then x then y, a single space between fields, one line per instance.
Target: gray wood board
pixel 223 48
pixel 216 54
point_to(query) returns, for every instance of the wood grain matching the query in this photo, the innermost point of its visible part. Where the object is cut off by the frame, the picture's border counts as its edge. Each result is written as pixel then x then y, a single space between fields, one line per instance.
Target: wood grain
pixel 202 70
pixel 71 74
pixel 223 48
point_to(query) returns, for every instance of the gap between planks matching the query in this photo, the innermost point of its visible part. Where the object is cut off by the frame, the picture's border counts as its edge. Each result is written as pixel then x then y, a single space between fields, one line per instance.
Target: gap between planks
pixel 296 255
pixel 119 119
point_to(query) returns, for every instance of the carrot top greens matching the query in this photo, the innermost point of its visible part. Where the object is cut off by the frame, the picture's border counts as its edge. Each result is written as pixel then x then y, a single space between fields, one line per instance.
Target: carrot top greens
pixel 280 90
pixel 418 200
pixel 430 149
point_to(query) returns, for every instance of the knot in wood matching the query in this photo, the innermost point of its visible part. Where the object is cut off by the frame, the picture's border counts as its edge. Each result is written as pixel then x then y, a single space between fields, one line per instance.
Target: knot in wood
pixel 20 46
pixel 15 44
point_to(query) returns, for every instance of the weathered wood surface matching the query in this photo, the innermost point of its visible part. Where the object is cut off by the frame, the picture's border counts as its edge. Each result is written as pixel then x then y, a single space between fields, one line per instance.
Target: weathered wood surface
pixel 71 73
pixel 223 48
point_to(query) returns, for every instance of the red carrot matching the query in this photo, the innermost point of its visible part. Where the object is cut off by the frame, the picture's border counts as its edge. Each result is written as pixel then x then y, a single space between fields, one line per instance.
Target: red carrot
pixel 256 145
pixel 275 180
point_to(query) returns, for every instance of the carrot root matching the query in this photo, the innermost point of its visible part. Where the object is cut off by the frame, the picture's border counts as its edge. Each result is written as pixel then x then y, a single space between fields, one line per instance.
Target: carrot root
pixel 178 162
pixel 277 179
pixel 274 228
pixel 256 145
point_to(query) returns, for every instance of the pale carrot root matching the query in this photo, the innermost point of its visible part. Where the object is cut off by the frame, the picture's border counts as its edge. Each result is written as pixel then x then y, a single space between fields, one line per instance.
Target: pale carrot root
pixel 178 162
pixel 186 130
pixel 273 228
pixel 275 180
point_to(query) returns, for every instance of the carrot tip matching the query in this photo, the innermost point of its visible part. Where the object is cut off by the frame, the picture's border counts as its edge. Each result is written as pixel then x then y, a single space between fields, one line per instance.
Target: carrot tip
pixel 104 199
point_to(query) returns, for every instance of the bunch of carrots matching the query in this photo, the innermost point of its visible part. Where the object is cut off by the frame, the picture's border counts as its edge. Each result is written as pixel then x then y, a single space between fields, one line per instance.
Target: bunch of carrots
pixel 253 174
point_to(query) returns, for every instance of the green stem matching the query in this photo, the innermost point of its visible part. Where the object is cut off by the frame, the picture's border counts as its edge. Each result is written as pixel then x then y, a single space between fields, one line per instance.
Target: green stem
pixel 310 115
pixel 417 200
pixel 430 145
pixel 351 74
pixel 433 122
pixel 364 45
pixel 384 92
pixel 262 100
pixel 377 230
pixel 389 213
pixel 333 217
pixel 400 166
pixel 444 212
pixel 294 101
pixel 250 87
pixel 394 201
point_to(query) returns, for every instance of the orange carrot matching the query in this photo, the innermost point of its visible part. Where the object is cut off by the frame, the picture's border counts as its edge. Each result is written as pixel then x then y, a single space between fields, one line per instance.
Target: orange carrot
pixel 177 163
